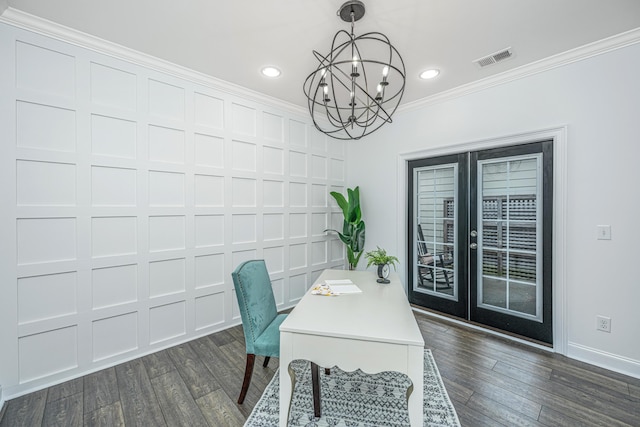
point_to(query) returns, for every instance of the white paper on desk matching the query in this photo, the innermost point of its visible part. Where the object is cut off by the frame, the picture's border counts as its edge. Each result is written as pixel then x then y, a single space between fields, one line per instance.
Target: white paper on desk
pixel 332 282
pixel 343 286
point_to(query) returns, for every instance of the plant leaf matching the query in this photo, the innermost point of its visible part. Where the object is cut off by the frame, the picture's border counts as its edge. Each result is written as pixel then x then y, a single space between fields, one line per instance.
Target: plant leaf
pixel 342 202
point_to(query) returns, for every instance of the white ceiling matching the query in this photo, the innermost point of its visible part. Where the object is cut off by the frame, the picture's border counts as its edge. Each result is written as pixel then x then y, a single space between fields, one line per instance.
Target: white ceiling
pixel 233 40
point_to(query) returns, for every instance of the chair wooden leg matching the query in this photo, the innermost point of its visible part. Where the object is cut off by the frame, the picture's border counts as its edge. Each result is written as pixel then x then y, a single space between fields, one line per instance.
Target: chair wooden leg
pixel 248 370
pixel 315 383
pixel 266 362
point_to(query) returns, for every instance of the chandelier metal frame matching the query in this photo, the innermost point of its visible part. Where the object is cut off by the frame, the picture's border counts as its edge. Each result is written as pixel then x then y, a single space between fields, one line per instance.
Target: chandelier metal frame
pixel 351 94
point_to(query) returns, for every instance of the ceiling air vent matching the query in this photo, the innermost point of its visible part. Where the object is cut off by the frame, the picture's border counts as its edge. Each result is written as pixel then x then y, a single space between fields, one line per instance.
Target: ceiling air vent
pixel 494 57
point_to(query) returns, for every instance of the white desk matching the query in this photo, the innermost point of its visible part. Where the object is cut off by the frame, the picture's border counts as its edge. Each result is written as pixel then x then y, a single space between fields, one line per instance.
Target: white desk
pixel 374 330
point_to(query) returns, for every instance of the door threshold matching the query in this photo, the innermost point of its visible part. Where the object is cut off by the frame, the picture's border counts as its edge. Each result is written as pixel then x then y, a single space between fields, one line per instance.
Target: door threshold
pixel 484 328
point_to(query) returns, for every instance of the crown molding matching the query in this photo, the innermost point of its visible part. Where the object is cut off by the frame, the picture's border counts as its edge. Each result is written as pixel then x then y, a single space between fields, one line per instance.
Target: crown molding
pixel 26 21
pixel 51 29
pixel 574 55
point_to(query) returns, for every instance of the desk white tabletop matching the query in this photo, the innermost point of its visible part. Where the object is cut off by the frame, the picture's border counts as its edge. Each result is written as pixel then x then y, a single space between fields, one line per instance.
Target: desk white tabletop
pixel 381 312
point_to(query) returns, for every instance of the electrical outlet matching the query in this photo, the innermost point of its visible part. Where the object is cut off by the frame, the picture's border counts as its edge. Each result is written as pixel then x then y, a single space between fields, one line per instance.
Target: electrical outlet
pixel 603 323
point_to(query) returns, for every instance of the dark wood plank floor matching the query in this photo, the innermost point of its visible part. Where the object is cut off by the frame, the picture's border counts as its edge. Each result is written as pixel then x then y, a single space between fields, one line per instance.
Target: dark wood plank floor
pixel 491 381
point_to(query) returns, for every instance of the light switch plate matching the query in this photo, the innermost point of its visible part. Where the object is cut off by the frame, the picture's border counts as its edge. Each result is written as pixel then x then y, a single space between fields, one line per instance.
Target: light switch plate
pixel 604 232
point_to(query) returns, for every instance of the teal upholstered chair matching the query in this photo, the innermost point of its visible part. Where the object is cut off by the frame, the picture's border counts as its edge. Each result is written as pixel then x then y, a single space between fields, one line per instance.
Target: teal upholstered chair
pixel 260 318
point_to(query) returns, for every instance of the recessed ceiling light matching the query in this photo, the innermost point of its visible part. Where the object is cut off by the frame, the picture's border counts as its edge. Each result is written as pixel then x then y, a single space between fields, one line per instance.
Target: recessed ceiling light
pixel 270 71
pixel 429 74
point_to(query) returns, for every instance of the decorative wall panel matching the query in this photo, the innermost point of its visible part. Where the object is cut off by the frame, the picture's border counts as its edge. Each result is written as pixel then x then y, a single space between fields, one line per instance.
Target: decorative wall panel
pixel 298 285
pixel 319 253
pixel 166 233
pixel 298 133
pixel 46 183
pixel 243 156
pixel 113 236
pixel 166 277
pixel 319 195
pixel 243 120
pixel 273 228
pixel 59 78
pixel 112 286
pixel 319 167
pixel 238 257
pixel 209 310
pixel 166 144
pixel 46 240
pixel 298 194
pixel 46 297
pixel 45 127
pixel 273 159
pixel 209 190
pixel 278 291
pixel 60 346
pixel 166 188
pixel 297 163
pixel 209 270
pixel 113 87
pixel 137 193
pixel 244 228
pixel 297 225
pixel 336 169
pixel 273 127
pixel 274 259
pixel 318 224
pixel 209 150
pixel 209 230
pixel 243 192
pixel 167 321
pixel 298 256
pixel 113 186
pixel 208 111
pixel 114 137
pixel 273 194
pixel 115 335
pixel 166 100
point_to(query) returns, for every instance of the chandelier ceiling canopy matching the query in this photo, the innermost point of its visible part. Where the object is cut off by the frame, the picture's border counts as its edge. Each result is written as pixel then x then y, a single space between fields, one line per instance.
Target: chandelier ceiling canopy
pixel 358 85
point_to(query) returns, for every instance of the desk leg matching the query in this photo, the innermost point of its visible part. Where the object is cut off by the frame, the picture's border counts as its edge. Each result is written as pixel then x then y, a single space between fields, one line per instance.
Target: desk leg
pixel 286 389
pixel 416 374
pixel 315 381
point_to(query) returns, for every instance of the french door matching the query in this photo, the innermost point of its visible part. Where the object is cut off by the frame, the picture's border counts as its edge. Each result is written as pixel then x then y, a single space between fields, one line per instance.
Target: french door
pixel 480 237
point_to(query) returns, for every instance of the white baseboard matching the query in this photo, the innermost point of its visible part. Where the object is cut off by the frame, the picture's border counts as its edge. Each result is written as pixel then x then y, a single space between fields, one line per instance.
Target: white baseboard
pixel 605 360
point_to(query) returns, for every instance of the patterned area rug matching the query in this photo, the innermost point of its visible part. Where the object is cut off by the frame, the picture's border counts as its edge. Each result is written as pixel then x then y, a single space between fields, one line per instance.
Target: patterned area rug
pixel 356 399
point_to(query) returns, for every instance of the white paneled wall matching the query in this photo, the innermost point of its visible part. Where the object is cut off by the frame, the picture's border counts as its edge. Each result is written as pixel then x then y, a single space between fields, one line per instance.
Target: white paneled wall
pixel 130 195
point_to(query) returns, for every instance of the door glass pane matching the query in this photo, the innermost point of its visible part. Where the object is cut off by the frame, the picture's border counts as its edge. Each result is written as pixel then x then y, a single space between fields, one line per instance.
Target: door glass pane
pixel 435 234
pixel 509 239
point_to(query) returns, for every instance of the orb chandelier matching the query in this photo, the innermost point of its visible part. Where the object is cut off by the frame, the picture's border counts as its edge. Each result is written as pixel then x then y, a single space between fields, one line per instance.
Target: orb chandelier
pixel 357 87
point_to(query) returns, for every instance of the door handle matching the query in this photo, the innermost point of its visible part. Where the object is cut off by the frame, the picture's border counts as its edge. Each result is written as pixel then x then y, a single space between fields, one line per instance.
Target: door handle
pixel 473 246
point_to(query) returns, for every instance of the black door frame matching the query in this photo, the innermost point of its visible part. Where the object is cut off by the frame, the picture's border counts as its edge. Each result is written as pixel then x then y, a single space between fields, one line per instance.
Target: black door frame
pixel 457 308
pixel 466 306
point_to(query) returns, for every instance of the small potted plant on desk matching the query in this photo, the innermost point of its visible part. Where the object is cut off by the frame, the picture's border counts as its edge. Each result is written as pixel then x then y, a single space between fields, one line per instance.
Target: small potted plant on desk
pixel 380 258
